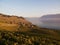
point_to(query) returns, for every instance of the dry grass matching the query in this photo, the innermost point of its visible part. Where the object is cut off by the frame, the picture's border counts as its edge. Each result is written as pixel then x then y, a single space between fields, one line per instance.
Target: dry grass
pixel 8 27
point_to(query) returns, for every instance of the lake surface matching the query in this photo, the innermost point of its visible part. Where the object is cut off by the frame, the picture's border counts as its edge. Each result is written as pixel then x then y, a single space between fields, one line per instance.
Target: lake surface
pixel 50 25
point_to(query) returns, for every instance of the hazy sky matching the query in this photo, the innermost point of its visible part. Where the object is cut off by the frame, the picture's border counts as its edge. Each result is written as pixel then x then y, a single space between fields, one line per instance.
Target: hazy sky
pixel 29 8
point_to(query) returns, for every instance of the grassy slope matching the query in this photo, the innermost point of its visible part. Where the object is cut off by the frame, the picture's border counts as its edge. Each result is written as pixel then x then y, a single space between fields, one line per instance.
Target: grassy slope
pixel 8 27
pixel 32 31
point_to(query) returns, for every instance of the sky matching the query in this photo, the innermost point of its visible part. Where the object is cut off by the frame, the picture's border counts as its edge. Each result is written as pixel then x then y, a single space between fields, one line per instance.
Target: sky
pixel 29 8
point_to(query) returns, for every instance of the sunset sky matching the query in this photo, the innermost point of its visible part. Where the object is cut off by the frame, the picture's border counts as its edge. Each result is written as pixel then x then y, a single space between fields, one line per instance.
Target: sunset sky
pixel 29 8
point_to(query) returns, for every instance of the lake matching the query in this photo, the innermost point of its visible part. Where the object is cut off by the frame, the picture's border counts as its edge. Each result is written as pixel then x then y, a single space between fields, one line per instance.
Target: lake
pixel 51 25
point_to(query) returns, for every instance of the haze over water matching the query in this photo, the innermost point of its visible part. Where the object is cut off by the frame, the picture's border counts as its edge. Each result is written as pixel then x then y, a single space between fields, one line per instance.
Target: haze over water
pixel 50 25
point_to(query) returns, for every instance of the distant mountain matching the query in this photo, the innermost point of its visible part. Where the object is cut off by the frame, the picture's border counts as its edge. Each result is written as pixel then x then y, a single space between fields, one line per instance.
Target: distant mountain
pixel 51 18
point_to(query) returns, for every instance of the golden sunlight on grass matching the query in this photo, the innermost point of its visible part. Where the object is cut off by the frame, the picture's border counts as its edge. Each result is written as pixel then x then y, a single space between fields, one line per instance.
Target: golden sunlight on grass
pixel 9 27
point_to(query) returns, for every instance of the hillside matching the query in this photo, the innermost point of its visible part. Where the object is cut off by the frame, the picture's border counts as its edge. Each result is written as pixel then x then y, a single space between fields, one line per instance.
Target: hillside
pixel 16 30
pixel 12 23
